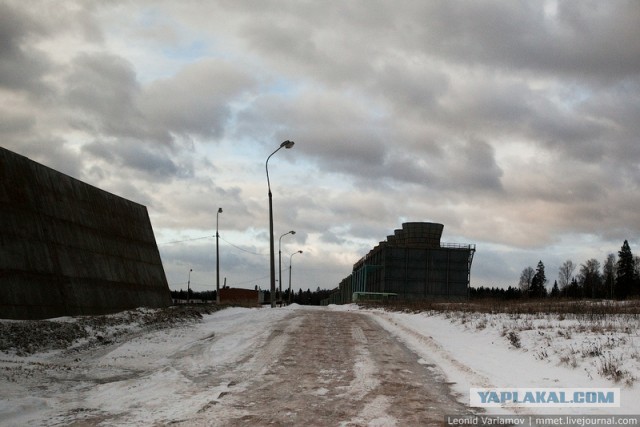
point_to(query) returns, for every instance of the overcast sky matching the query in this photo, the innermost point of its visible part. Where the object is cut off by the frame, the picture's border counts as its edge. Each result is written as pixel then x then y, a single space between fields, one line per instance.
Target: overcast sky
pixel 516 124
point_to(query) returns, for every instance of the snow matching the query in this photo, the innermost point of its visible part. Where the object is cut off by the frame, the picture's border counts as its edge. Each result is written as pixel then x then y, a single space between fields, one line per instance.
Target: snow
pixel 162 383
pixel 146 374
pixel 473 350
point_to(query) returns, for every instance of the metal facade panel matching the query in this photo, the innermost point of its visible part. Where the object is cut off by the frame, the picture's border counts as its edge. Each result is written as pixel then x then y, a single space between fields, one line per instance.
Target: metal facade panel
pixel 415 265
pixel 68 248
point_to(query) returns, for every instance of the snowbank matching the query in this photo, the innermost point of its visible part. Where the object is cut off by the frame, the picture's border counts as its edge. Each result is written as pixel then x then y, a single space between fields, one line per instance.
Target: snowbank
pixel 521 351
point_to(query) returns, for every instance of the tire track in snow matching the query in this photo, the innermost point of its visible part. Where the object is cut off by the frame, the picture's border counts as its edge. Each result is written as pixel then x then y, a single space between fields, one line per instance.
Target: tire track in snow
pixel 335 368
pixel 388 323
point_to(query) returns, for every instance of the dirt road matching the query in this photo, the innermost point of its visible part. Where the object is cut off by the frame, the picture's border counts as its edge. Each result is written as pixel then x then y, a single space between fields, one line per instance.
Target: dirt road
pixel 324 368
pixel 237 367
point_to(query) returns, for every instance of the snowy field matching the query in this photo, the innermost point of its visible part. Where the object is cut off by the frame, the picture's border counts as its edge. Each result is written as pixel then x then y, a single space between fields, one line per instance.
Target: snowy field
pixel 526 350
pixel 146 375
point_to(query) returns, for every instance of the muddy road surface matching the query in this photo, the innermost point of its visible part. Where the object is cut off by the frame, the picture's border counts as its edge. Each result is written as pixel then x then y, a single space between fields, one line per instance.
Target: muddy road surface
pixel 291 366
pixel 332 368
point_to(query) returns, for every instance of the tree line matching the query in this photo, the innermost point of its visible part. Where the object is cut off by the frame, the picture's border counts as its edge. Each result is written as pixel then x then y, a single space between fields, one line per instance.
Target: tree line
pixel 617 278
pixel 301 297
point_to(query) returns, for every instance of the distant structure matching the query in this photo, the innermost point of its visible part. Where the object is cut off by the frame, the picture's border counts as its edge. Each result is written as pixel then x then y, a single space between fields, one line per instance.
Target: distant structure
pixel 237 296
pixel 411 264
pixel 68 248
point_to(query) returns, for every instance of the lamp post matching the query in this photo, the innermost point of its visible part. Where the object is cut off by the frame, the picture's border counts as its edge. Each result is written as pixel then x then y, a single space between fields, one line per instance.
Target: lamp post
pixel 286 144
pixel 280 261
pixel 217 256
pixel 291 259
pixel 189 284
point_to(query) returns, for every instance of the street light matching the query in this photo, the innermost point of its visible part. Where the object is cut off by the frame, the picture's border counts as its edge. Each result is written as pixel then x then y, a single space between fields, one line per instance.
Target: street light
pixel 291 259
pixel 189 284
pixel 280 260
pixel 217 255
pixel 286 144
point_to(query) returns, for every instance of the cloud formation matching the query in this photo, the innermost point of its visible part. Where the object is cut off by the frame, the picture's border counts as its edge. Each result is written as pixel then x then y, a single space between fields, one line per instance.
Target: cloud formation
pixel 513 124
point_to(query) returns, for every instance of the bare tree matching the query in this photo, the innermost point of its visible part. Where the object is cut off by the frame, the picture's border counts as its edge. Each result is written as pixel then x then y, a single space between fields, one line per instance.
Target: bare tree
pixel 565 273
pixel 609 274
pixel 526 278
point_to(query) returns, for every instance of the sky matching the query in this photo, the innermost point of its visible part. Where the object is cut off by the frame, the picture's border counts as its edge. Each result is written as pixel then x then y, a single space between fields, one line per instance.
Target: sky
pixel 514 124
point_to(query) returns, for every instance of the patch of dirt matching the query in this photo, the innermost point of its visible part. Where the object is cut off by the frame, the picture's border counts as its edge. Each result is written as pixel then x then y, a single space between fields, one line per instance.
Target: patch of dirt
pixel 332 368
pixel 25 337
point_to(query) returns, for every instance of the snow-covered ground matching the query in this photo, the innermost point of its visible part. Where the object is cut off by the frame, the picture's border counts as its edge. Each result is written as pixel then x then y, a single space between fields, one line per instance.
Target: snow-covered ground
pixel 150 375
pixel 137 376
pixel 526 351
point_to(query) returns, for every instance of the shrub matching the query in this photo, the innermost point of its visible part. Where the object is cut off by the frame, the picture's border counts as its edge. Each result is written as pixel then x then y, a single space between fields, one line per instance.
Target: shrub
pixel 610 368
pixel 514 339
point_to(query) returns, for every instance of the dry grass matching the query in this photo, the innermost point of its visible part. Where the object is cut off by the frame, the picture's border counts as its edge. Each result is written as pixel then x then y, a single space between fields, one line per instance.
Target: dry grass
pixel 30 336
pixel 563 308
pixel 598 336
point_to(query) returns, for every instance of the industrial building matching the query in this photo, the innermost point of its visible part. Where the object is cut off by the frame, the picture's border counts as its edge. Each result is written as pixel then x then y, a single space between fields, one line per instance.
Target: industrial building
pixel 68 248
pixel 412 264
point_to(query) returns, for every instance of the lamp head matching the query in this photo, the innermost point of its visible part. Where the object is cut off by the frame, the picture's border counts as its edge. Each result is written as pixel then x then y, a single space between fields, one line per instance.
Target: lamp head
pixel 219 210
pixel 292 232
pixel 287 144
pixel 299 252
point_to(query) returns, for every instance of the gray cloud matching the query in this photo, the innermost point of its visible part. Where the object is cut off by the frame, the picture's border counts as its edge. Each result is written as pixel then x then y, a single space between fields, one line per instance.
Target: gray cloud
pixel 133 155
pixel 514 124
pixel 197 101
pixel 579 40
pixel 21 65
pixel 102 90
pixel 474 169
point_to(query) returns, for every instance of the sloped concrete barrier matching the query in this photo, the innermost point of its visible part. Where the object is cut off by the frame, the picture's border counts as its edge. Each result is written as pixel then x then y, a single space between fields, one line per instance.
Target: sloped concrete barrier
pixel 68 248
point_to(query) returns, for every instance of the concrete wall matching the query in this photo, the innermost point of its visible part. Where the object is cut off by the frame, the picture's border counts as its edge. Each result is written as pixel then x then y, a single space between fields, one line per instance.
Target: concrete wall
pixel 68 248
